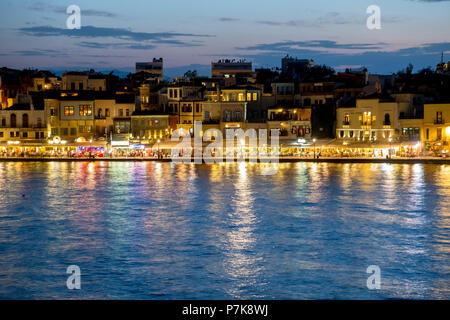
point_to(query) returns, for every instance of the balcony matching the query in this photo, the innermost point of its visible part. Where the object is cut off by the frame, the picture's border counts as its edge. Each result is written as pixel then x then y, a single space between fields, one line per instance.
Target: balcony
pixel 345 123
pixel 280 117
pixel 210 121
pixel 439 121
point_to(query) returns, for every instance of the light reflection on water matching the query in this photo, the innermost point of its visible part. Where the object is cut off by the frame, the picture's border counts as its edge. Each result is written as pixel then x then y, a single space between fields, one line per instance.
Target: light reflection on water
pixel 165 231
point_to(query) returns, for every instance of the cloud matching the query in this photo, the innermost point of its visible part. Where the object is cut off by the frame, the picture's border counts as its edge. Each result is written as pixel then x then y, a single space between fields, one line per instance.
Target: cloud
pixel 100 45
pixel 38 52
pixel 329 18
pixel 44 7
pixel 134 46
pixel 100 32
pixel 306 45
pixel 225 19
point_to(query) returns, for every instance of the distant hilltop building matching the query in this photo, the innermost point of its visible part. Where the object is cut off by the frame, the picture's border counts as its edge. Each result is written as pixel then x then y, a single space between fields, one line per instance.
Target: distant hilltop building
pixel 443 67
pixel 234 71
pixel 295 67
pixel 154 68
pixel 230 68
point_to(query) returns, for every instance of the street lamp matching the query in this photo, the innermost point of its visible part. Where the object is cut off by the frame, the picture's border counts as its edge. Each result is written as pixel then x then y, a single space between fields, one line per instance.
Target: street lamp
pixel 314 142
pixel 158 147
pixel 390 146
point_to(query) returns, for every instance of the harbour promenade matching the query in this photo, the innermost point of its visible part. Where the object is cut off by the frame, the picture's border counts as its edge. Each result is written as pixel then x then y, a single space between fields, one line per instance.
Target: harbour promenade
pixel 396 160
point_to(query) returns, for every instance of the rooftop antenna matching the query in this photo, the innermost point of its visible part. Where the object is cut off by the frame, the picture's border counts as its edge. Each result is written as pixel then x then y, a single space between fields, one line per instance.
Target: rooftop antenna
pixel 442 57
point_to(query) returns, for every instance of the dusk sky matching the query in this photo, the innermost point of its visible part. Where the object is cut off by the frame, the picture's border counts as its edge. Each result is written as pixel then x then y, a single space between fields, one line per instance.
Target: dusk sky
pixel 189 34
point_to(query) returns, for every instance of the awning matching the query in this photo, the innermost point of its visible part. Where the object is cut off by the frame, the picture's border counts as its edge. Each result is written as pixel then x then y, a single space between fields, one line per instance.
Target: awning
pixel 373 145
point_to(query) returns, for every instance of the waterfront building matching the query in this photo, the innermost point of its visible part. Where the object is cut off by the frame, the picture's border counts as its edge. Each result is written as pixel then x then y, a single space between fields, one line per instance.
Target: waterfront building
pixel 292 122
pixel 372 119
pixel 191 110
pixel 436 127
pixel 124 107
pixel 87 119
pixel 184 100
pixel 22 129
pixel 70 116
pixel 225 115
pixel 373 124
pixel 147 127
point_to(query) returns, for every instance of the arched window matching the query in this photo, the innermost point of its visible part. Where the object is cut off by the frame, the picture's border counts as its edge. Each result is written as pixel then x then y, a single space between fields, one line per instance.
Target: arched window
pixel 347 118
pixel 13 120
pixel 25 120
pixel 237 116
pixel 227 116
pixel 387 119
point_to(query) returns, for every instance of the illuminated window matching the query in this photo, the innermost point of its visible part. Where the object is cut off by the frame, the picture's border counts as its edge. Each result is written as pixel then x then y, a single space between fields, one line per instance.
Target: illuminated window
pixel 346 118
pixel 69 110
pixel 255 96
pixel 85 110
pixel 367 118
pixel 249 96
pixel 241 97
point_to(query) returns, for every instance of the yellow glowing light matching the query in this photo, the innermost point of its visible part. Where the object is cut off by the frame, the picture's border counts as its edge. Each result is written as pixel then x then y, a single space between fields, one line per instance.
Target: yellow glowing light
pixel 447 132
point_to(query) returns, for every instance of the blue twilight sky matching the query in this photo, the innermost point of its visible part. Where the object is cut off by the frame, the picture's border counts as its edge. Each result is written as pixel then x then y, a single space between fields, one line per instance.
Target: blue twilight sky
pixel 189 34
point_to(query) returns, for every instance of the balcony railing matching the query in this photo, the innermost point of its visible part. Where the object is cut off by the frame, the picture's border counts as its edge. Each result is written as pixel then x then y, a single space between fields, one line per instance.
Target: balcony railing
pixel 439 121
pixel 346 123
pixel 386 123
pixel 211 121
pixel 29 127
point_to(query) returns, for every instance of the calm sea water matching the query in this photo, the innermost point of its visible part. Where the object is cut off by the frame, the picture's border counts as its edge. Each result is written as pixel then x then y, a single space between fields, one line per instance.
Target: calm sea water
pixel 165 231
